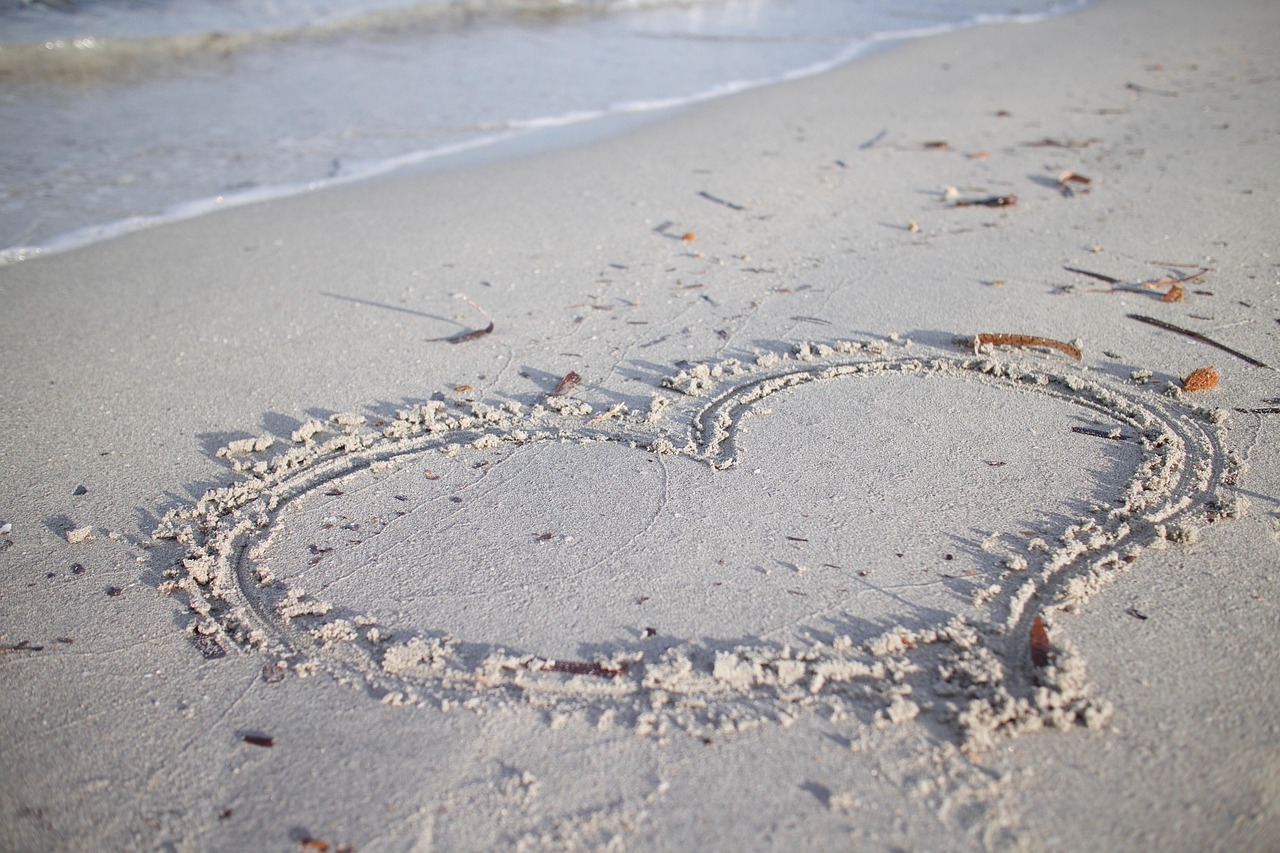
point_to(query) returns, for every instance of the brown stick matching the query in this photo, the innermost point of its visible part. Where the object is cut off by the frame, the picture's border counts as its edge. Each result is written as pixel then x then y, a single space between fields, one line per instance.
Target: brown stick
pixel 1195 336
pixel 1025 341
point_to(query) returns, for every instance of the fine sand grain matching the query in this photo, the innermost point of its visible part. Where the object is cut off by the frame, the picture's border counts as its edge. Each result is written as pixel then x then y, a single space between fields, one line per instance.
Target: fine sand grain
pixel 833 466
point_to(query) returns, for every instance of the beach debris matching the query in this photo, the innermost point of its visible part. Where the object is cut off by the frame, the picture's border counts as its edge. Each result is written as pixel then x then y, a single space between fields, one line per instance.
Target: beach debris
pixel 1003 340
pixel 608 414
pixel 1039 643
pixel 21 646
pixel 1174 283
pixel 464 337
pixel 570 381
pixel 1136 613
pixel 1195 336
pixel 473 334
pixel 1067 178
pixel 114 592
pixel 990 201
pixel 1200 379
pixel 1046 142
pixel 937 145
pixel 873 140
pixel 729 204
pixel 319 845
pixel 265 741
pixel 1114 434
pixel 688 236
pixel 979 155
pixel 913 226
pixel 6 528
pixel 950 193
pixel 79 490
pixel 80 534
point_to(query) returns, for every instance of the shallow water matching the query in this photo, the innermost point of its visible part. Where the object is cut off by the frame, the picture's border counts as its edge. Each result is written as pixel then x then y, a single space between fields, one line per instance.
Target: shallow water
pixel 121 114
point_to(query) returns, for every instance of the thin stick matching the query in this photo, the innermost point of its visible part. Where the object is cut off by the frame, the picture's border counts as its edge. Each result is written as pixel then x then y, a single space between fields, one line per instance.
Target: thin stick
pixel 1025 341
pixel 1195 336
pixel 709 197
pixel 1099 276
pixel 992 201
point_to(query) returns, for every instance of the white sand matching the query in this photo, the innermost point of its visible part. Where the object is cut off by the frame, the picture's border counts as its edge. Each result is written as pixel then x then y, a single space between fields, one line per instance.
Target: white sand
pixel 785 678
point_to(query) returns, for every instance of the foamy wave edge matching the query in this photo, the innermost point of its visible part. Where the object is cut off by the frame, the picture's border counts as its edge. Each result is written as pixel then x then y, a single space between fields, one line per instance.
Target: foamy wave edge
pixel 191 209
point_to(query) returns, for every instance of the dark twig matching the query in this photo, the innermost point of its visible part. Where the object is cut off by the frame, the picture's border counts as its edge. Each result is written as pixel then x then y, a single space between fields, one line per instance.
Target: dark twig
pixel 709 197
pixel 1099 276
pixel 991 201
pixel 1098 433
pixel 1195 336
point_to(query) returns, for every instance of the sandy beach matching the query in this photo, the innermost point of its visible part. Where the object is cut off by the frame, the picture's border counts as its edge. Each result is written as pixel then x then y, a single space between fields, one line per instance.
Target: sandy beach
pixel 826 467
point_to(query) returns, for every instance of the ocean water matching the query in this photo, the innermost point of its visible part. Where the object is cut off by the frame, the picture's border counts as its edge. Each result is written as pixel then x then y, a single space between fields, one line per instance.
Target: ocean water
pixel 117 115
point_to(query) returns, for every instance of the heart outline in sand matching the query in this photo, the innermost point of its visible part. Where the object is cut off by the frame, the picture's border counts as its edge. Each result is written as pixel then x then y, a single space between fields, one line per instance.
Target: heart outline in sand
pixel 976 673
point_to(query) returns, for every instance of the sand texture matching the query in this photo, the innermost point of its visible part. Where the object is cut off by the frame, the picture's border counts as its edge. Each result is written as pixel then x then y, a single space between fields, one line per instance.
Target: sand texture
pixel 885 460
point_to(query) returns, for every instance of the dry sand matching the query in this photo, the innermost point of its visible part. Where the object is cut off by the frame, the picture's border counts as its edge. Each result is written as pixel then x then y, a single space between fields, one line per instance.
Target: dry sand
pixel 792 566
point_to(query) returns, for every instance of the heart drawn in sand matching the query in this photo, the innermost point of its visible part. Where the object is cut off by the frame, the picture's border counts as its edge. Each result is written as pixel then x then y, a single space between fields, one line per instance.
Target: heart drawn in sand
pixel 847 529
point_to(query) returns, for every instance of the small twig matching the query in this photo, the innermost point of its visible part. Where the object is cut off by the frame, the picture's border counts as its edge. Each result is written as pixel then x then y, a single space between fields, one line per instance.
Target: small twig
pixel 1174 283
pixel 991 201
pixel 1057 143
pixel 1114 435
pixel 1174 280
pixel 1195 336
pixel 709 197
pixel 1025 341
pixel 873 140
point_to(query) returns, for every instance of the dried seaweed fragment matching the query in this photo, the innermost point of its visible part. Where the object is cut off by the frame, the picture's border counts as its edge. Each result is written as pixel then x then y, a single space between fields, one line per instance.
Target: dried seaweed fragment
pixel 1200 379
pixel 1003 340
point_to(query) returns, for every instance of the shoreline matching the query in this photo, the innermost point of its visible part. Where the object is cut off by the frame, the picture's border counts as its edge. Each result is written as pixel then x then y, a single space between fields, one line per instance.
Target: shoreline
pixel 412 608
pixel 504 140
